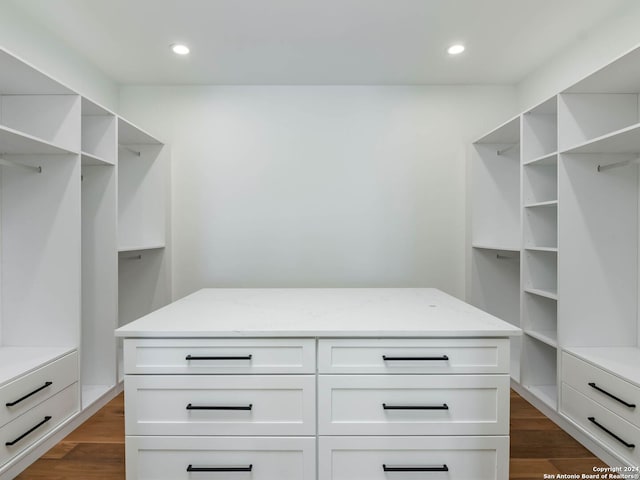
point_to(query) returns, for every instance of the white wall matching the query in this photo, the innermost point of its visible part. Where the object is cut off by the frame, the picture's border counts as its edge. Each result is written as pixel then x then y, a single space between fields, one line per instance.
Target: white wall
pixel 318 186
pixel 611 39
pixel 29 40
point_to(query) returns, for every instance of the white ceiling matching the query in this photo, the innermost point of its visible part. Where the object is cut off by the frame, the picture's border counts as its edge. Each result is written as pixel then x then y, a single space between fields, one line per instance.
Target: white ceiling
pixel 319 41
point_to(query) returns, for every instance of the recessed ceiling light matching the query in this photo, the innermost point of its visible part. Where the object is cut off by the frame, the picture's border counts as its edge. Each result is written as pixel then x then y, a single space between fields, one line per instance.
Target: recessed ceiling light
pixel 179 49
pixel 455 49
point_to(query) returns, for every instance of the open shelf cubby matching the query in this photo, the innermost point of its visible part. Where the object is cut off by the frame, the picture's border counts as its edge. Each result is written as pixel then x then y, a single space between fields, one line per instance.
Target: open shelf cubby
pixel 599 234
pixel 99 253
pixel 496 290
pixel 540 181
pixel 541 226
pixel 540 318
pixel 540 370
pixel 540 131
pixel 496 187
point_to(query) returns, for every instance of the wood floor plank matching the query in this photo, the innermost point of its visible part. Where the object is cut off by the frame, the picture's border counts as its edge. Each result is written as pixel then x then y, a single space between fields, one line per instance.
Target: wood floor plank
pixel 96 449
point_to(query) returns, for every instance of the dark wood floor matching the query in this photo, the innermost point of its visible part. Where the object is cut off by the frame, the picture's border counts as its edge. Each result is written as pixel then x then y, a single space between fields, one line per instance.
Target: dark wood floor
pixel 96 449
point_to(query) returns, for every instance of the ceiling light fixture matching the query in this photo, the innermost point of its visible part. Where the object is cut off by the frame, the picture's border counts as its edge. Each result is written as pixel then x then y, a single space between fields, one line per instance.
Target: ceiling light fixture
pixel 455 49
pixel 180 49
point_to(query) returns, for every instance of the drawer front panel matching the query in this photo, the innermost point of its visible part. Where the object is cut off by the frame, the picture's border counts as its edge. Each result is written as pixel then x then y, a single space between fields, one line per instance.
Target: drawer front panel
pixel 167 458
pixel 403 355
pixel 580 409
pixel 220 405
pixel 601 387
pixel 30 390
pixel 413 405
pixel 365 458
pixel 234 356
pixel 38 421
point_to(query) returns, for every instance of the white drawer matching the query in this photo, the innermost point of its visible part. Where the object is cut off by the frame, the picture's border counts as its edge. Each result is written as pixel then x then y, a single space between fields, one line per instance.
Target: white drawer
pixel 602 387
pixel 168 458
pixel 404 355
pixel 365 458
pixel 27 429
pixel 23 394
pixel 594 419
pixel 184 356
pixel 413 405
pixel 220 405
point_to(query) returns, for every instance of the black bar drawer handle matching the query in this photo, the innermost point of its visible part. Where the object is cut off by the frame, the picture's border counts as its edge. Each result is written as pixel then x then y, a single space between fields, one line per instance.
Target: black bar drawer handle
pixel 444 406
pixel 409 359
pixel 15 402
pixel 626 444
pixel 46 419
pixel 244 357
pixel 388 468
pixel 191 468
pixel 220 407
pixel 630 405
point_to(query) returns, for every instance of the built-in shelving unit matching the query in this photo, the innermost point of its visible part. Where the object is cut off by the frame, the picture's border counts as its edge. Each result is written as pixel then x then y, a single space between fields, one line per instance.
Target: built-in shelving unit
pixel 65 208
pixel 580 250
pixel 99 252
pixel 142 259
pixel 496 236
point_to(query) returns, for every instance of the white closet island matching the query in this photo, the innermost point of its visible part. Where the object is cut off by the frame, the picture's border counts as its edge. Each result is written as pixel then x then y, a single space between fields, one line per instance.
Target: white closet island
pixel 329 384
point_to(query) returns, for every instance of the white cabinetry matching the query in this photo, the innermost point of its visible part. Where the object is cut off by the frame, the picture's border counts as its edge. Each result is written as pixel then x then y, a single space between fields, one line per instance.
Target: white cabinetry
pixel 371 406
pixel 58 259
pixel 579 255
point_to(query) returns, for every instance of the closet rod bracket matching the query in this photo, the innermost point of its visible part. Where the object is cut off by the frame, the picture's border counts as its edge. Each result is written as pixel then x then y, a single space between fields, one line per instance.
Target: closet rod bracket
pixel 137 153
pixel 504 150
pixel 7 163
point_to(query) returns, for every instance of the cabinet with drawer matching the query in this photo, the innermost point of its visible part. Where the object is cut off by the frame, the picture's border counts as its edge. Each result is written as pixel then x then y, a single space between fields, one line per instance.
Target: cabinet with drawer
pixel 29 390
pixel 610 391
pixel 28 428
pixel 413 355
pixel 220 404
pixel 178 458
pixel 219 356
pixel 413 405
pixel 313 398
pixel 617 434
pixel 604 406
pixel 384 458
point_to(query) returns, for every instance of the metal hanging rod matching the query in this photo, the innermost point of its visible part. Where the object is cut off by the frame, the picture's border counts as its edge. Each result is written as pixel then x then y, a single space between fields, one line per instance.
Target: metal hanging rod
pixel 624 163
pixel 503 257
pixel 137 153
pixel 507 149
pixel 7 163
pixel 134 257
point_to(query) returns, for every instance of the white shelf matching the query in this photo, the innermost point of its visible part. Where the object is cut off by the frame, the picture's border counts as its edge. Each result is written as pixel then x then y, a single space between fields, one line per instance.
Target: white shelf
pixel 550 337
pixel 496 247
pixel 16 142
pixel 507 133
pixel 620 76
pixel 625 140
pixel 90 159
pixel 548 159
pixel 542 249
pixel 140 248
pixel 91 109
pixel 20 78
pixel 547 393
pixel 129 134
pixel 553 295
pixel 550 203
pixel 17 361
pixel 622 362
